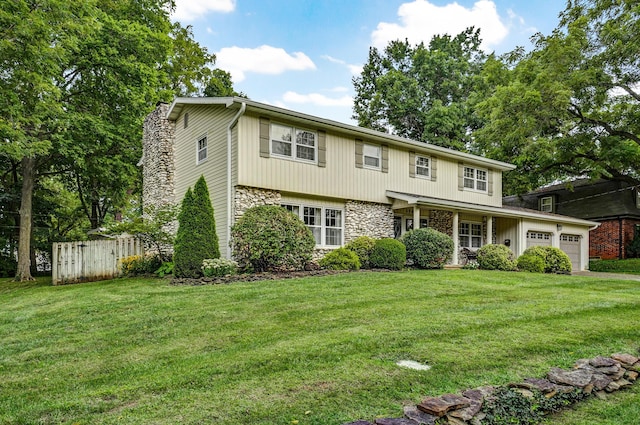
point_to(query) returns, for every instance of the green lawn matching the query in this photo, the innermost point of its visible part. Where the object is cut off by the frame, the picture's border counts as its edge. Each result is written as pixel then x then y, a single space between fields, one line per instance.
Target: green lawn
pixel 315 350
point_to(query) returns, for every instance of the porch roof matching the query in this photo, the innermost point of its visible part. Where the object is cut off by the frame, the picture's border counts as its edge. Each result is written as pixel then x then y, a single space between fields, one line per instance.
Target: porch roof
pixel 505 211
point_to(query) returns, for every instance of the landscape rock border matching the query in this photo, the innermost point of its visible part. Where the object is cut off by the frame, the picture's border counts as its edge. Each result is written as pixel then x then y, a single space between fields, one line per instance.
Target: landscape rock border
pixel 560 388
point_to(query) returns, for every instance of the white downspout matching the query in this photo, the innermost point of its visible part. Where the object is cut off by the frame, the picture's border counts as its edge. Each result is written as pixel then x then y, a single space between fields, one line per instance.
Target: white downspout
pixel 232 124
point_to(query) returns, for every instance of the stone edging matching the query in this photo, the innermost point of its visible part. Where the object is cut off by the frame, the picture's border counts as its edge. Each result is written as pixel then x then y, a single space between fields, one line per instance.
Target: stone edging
pixel 589 377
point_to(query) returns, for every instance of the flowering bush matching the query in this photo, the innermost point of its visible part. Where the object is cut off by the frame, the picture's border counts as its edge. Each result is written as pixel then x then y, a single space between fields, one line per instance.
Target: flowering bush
pixel 214 267
pixel 135 265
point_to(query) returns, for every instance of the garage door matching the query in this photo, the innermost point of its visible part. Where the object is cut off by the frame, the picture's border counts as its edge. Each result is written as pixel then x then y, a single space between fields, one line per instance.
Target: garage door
pixel 538 239
pixel 570 244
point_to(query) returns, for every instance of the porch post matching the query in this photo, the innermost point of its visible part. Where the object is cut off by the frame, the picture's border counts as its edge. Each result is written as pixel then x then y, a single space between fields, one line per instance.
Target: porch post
pixel 416 216
pixel 490 229
pixel 456 239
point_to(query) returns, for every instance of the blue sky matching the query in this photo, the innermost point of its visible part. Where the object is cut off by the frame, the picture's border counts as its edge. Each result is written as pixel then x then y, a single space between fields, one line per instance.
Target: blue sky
pixel 302 54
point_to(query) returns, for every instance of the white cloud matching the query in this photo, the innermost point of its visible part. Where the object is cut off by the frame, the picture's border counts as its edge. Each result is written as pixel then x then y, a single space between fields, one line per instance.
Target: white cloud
pixel 317 99
pixel 261 60
pixel 420 20
pixel 189 10
pixel 339 89
pixel 353 69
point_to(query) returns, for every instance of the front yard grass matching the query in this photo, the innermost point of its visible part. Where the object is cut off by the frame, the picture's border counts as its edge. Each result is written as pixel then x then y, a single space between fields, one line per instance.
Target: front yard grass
pixel 314 350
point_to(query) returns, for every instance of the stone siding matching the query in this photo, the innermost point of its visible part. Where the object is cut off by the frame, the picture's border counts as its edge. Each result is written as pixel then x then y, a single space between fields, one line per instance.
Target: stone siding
pixel 247 197
pixel 158 166
pixel 367 219
pixel 442 221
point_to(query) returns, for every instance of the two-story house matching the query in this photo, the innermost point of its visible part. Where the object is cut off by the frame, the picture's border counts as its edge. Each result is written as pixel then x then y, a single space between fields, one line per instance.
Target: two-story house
pixel 343 181
pixel 615 204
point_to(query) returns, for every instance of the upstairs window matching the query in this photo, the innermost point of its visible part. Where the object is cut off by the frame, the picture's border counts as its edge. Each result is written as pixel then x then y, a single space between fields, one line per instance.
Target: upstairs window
pixel 371 156
pixel 423 166
pixel 294 143
pixel 201 150
pixel 475 179
pixel 546 204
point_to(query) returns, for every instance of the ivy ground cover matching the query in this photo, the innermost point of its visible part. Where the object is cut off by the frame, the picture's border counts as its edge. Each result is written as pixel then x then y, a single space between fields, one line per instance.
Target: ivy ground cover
pixel 319 350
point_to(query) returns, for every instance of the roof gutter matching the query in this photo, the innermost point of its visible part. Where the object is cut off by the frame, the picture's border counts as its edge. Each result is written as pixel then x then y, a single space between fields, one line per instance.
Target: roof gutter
pixel 232 123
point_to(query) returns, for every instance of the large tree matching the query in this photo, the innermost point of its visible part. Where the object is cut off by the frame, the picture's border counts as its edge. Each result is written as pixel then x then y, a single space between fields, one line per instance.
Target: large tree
pixel 421 92
pixel 571 106
pixel 76 80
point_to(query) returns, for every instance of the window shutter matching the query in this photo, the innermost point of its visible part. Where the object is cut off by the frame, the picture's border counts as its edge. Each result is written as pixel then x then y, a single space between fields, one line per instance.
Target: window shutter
pixel 412 164
pixel 434 168
pixel 385 158
pixel 264 137
pixel 322 148
pixel 490 182
pixel 359 146
pixel 460 176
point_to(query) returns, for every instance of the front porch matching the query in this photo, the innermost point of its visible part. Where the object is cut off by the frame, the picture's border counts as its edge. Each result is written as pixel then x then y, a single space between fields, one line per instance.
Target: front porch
pixel 472 226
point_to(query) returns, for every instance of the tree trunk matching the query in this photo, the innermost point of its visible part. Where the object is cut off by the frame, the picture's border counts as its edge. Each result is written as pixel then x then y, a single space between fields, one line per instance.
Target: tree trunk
pixel 23 272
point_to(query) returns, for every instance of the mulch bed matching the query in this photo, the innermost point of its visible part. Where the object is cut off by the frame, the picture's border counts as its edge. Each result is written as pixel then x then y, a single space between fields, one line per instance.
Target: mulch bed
pixel 254 277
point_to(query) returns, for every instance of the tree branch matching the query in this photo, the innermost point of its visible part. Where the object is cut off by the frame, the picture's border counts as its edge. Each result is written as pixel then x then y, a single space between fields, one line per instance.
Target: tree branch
pixel 575 111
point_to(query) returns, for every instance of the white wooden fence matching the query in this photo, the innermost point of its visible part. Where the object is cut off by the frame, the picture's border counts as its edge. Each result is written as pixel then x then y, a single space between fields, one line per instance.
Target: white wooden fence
pixel 86 261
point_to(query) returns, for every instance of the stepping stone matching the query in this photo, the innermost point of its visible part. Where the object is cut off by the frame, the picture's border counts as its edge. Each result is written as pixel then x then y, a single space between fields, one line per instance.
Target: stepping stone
pixel 625 359
pixel 600 381
pixel 576 378
pixel 439 406
pixel 420 417
pixel 542 385
pixel 601 361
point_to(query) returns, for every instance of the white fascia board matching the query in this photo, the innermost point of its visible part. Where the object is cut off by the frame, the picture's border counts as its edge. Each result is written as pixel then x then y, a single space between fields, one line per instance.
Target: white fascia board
pixel 373 135
pixel 496 211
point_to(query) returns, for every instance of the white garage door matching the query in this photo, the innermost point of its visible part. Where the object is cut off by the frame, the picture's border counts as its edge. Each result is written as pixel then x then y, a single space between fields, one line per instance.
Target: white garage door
pixel 570 244
pixel 538 239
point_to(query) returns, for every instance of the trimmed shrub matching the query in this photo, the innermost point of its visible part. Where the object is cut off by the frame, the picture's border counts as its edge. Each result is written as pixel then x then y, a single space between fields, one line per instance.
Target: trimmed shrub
pixel 428 248
pixel 389 254
pixel 530 263
pixel 362 246
pixel 340 259
pixel 557 261
pixel 633 247
pixel 270 238
pixel 214 267
pixel 496 257
pixel 196 238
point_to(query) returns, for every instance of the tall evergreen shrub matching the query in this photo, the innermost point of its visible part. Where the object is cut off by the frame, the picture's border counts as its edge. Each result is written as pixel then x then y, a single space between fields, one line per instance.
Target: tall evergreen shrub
pixel 196 238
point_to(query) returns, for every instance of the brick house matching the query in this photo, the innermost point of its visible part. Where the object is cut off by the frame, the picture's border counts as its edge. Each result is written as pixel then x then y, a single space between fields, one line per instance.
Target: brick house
pixel 614 204
pixel 343 181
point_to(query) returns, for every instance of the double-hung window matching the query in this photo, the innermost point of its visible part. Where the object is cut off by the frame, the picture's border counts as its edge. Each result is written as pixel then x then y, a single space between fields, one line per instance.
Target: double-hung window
pixel 326 224
pixel 371 156
pixel 470 235
pixel 294 143
pixel 475 179
pixel 423 166
pixel 201 150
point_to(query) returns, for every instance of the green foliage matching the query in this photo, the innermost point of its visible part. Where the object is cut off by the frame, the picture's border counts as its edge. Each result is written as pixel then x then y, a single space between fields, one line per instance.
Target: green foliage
pixel 557 261
pixel 362 246
pixel 428 248
pixel 389 254
pixel 153 228
pixel 165 269
pixel 530 263
pixel 140 265
pixel 270 238
pixel 7 266
pixel 340 259
pixel 631 265
pixel 218 267
pixel 554 259
pixel 633 248
pixel 196 238
pixel 496 257
pixel 421 92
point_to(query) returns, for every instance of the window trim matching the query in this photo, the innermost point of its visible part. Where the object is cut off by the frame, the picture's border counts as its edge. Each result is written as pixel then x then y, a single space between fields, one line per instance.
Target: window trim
pixel 475 179
pixel 428 167
pixel 364 163
pixel 291 206
pixel 294 144
pixel 205 149
pixel 470 235
pixel 549 205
